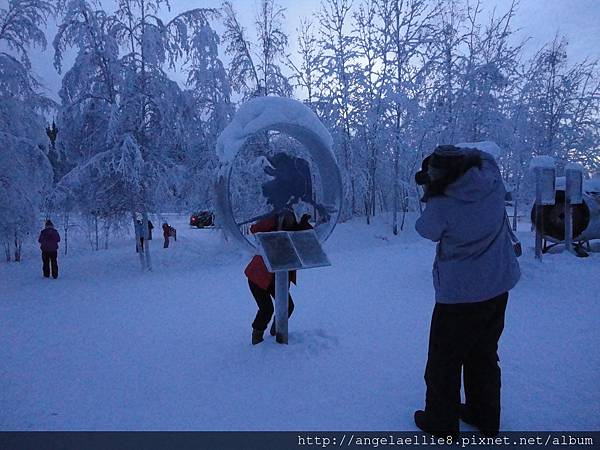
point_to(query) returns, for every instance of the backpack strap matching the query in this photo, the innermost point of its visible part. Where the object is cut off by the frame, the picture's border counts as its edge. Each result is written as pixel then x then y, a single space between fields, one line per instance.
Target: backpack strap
pixel 513 236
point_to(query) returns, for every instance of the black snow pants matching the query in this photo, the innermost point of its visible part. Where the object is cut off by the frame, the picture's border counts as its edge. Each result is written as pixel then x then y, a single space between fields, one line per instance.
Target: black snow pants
pixel 465 336
pixel 265 305
pixel 49 260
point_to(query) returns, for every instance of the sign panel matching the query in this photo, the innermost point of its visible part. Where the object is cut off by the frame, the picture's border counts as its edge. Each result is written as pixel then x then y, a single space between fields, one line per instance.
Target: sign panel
pixel 291 250
pixel 278 251
pixel 309 249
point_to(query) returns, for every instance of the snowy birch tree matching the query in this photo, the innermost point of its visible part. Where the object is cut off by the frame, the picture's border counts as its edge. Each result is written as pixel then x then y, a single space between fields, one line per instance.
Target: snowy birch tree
pixel 411 42
pixel 338 62
pixel 373 37
pixel 208 109
pixel 138 160
pixel 25 172
pixel 257 71
pixel 305 73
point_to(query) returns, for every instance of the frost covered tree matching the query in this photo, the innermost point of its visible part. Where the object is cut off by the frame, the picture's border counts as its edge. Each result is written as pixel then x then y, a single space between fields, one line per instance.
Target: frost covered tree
pixel 255 70
pixel 563 101
pixel 373 20
pixel 553 111
pixel 25 172
pixel 338 61
pixel 272 42
pixel 89 89
pixel 411 42
pixel 208 81
pixel 391 79
pixel 119 88
pixel 208 109
pixel 490 75
pixel 305 73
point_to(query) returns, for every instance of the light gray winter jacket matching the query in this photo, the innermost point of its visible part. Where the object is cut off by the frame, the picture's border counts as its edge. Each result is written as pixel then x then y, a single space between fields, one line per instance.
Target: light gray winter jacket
pixel 475 260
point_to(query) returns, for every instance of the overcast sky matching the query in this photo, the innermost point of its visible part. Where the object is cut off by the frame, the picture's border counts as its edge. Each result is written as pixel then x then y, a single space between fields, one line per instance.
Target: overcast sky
pixel 539 20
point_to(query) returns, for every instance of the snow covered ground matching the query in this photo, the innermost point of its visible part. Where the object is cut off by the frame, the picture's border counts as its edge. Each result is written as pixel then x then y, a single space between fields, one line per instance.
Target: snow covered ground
pixel 107 347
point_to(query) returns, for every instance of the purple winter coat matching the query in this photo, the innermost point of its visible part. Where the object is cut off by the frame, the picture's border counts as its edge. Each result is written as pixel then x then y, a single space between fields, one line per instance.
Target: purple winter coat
pixel 49 239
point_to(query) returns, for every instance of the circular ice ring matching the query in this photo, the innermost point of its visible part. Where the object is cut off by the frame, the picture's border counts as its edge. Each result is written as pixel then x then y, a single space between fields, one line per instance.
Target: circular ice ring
pixel 296 120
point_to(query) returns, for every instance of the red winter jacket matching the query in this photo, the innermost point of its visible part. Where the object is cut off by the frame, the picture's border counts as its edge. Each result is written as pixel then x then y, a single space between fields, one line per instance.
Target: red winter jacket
pixel 256 270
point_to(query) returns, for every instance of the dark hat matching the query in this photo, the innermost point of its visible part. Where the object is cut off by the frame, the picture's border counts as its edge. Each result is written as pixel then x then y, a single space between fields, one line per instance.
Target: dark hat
pixel 445 158
pixel 449 151
pixel 49 223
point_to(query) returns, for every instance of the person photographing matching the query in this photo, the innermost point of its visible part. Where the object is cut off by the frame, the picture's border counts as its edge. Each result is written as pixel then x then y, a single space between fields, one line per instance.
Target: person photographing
pixel 474 269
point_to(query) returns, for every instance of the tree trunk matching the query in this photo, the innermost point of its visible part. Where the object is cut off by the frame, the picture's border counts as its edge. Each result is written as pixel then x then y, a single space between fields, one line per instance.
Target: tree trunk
pixel 515 206
pixel 66 232
pixel 106 230
pixel 383 204
pixel 18 245
pixel 404 208
pixel 7 251
pixel 396 192
pixel 96 231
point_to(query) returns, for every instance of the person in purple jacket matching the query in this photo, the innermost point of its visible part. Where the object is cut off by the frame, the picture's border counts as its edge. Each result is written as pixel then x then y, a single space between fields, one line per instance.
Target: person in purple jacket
pixel 49 239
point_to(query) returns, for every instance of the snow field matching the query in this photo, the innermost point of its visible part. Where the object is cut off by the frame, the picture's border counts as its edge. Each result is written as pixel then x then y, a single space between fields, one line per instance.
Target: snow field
pixel 108 347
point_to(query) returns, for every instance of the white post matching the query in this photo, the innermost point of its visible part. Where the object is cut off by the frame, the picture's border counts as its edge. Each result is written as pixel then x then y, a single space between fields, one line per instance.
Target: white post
pixel 281 306
pixel 568 225
pixel 545 191
pixel 573 195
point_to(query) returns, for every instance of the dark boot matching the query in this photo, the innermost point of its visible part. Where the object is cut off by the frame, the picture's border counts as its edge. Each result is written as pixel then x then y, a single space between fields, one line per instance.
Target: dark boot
pixel 424 423
pixel 257 336
pixel 468 417
pixel 273 330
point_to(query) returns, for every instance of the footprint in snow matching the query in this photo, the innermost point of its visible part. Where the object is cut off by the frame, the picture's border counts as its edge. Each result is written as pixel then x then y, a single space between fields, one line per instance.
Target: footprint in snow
pixel 315 341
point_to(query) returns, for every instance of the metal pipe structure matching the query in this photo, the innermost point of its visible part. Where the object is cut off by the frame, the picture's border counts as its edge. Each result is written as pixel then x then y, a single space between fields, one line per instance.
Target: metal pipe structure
pixel 585 217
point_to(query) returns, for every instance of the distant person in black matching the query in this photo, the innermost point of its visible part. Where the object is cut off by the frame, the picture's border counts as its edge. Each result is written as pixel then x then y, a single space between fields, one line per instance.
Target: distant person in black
pixel 150 228
pixel 49 239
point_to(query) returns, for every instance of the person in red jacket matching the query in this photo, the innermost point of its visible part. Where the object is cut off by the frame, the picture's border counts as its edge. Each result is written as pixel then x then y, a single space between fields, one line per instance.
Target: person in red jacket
pixel 261 281
pixel 166 233
pixel 49 239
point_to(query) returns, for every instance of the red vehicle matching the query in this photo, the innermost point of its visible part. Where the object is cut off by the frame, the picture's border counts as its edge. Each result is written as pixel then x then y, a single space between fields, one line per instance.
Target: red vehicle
pixel 202 219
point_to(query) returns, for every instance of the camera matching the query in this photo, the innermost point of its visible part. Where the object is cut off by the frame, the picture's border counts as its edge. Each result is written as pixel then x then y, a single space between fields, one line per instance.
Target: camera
pixel 422 176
